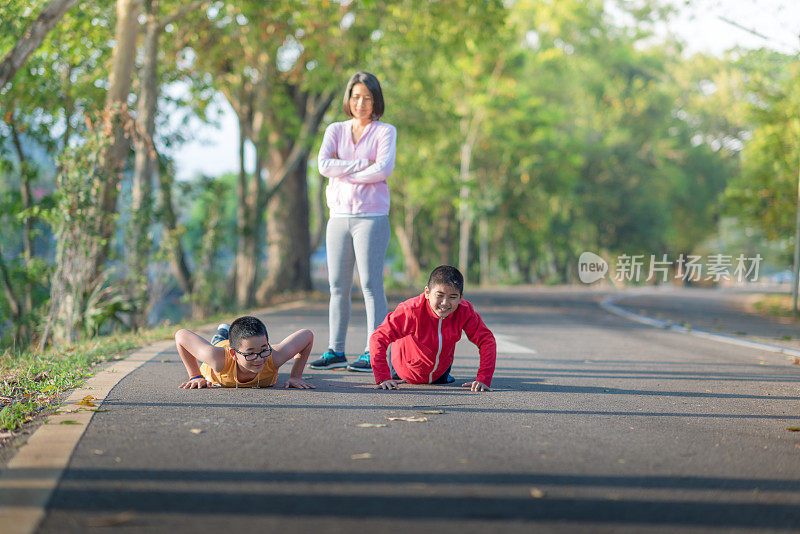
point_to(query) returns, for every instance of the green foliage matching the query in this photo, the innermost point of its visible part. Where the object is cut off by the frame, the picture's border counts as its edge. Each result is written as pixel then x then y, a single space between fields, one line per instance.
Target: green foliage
pixel 765 195
pixel 82 301
pixel 587 132
pixel 31 381
pixel 211 232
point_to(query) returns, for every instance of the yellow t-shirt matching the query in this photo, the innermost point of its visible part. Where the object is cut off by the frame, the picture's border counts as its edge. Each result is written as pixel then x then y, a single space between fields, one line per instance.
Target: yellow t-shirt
pixel 227 377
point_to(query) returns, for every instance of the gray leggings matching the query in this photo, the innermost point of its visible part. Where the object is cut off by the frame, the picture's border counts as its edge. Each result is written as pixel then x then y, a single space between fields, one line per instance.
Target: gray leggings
pixel 363 241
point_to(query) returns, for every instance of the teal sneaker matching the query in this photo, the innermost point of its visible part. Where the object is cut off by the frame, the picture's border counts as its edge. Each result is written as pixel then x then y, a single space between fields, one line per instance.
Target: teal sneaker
pixel 361 365
pixel 330 360
pixel 223 333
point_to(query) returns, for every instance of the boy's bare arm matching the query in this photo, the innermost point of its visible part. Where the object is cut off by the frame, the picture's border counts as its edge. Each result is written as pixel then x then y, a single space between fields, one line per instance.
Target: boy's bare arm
pixel 297 346
pixel 194 350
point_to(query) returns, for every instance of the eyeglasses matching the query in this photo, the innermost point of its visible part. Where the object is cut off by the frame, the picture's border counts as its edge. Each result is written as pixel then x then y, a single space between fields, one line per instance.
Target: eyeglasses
pixel 250 356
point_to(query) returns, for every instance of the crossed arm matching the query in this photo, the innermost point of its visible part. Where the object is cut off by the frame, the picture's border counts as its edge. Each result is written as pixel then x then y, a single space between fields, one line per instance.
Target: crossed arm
pixel 358 171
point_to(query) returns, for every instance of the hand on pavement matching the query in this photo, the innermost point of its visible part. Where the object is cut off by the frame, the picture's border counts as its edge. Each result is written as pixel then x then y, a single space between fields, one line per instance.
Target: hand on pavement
pixel 387 384
pixel 476 386
pixel 196 383
pixel 298 383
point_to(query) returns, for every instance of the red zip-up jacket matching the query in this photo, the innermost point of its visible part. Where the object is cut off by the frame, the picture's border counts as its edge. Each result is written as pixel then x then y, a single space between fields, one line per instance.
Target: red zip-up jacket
pixel 424 343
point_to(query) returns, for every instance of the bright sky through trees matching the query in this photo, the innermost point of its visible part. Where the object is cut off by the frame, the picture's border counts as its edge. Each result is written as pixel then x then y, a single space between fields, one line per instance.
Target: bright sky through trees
pixel 698 23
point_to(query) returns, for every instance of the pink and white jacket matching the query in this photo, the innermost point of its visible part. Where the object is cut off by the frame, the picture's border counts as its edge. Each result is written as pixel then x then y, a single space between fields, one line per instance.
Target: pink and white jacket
pixel 356 186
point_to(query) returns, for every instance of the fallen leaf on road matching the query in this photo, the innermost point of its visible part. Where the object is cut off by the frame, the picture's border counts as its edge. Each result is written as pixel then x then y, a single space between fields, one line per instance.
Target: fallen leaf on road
pixel 536 493
pixel 98 452
pixel 196 430
pixel 100 410
pixel 793 428
pixel 796 361
pixel 361 456
pixel 69 422
pixel 370 425
pixel 527 426
pixel 409 419
pixel 431 411
pixel 112 520
pixel 90 398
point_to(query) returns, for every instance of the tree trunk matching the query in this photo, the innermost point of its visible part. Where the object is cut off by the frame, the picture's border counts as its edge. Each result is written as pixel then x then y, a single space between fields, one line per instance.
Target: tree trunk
pixel 319 208
pixel 405 236
pixel 483 249
pixel 464 221
pixel 471 130
pixel 171 237
pixel 116 124
pixel 84 238
pixel 246 231
pixel 146 163
pixel 204 296
pixel 139 245
pixel 69 109
pixel 27 225
pixel 33 38
pixel 14 305
pixel 444 237
pixel 288 239
pixel 245 103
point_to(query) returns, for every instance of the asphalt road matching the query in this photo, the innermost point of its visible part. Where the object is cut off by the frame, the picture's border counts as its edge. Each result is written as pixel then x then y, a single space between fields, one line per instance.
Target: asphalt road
pixel 713 310
pixel 610 426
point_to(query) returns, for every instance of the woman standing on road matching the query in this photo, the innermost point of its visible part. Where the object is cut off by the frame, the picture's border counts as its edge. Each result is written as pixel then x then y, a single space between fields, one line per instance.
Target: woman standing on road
pixel 357 156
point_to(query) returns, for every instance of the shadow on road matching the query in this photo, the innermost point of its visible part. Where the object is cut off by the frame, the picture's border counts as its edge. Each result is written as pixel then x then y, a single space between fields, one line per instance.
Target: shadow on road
pixel 315 498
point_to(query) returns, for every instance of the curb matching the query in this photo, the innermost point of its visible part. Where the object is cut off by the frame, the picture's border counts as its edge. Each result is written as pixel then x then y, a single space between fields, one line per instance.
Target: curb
pixel 34 472
pixel 31 476
pixel 610 306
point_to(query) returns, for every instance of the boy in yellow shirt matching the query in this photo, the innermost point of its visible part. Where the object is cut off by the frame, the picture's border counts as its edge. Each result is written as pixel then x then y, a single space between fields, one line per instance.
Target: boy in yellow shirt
pixel 240 356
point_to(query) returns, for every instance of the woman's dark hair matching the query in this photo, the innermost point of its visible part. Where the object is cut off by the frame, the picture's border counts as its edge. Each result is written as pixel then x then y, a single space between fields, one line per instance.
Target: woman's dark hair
pixel 374 87
pixel 447 275
pixel 245 327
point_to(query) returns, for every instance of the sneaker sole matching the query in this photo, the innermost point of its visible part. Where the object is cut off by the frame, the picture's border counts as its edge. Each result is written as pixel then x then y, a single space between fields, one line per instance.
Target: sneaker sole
pixel 359 369
pixel 331 366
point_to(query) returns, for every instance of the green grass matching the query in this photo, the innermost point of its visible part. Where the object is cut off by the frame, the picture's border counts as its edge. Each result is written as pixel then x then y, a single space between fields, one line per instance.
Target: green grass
pixel 774 304
pixel 31 381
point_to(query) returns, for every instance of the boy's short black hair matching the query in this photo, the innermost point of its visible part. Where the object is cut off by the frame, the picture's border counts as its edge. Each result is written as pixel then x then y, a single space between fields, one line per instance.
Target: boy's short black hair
pixel 374 87
pixel 245 327
pixel 447 275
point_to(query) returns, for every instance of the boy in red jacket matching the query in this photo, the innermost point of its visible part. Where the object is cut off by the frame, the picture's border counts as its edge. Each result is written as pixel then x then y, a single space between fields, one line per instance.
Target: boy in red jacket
pixel 425 330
